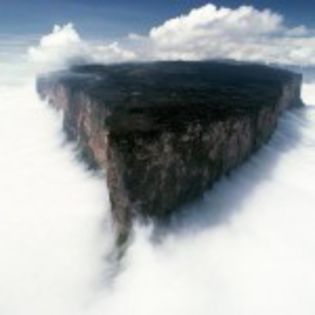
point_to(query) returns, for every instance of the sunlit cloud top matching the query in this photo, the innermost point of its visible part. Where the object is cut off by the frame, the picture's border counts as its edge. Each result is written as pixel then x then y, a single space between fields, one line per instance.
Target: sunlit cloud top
pixel 208 32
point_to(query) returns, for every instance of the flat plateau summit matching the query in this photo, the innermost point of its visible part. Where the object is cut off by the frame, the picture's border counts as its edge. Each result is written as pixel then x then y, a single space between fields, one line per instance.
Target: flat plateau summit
pixel 164 132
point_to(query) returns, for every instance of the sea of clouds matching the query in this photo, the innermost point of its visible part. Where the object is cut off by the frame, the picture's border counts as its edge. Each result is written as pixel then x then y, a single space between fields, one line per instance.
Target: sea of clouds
pixel 246 247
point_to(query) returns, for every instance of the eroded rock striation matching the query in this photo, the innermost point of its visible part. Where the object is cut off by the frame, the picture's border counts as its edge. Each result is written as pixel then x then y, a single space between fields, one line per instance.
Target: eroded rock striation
pixel 165 131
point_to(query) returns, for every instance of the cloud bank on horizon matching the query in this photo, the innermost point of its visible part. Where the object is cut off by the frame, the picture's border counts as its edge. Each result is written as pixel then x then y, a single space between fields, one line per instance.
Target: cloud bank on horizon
pixel 207 32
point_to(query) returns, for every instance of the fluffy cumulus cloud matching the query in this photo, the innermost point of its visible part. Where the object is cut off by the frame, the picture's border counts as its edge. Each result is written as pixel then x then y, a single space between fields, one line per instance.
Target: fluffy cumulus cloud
pixel 64 46
pixel 244 33
pixel 208 32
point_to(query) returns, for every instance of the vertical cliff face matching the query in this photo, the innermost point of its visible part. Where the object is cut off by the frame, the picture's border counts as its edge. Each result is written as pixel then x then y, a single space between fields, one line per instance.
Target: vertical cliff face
pixel 164 132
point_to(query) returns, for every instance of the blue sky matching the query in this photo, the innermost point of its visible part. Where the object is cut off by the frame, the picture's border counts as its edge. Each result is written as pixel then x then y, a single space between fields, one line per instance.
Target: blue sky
pixel 112 19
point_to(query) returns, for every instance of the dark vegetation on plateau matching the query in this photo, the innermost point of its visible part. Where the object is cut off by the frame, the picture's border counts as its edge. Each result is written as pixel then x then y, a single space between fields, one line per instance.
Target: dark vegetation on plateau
pixel 156 90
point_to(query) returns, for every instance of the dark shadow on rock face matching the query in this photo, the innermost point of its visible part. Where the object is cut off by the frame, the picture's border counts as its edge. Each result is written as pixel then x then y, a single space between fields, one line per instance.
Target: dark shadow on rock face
pixel 226 198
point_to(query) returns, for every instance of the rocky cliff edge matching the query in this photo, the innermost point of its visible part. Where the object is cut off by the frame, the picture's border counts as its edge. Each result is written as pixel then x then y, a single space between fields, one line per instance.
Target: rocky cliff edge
pixel 164 132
